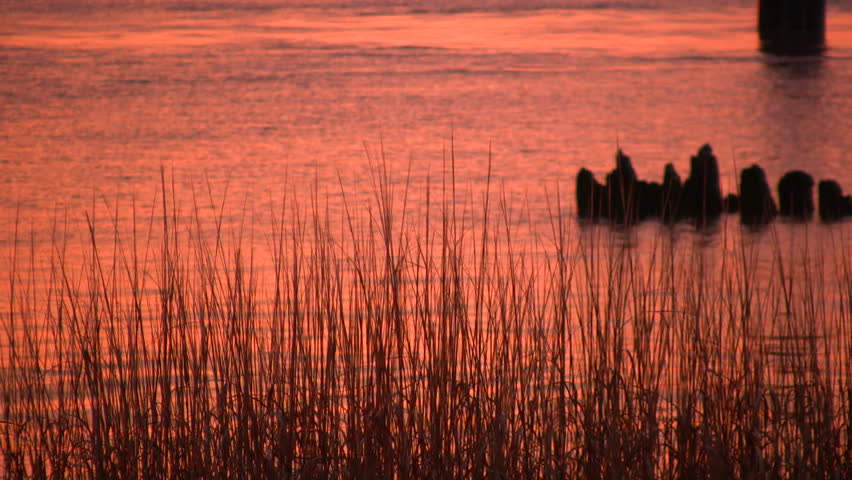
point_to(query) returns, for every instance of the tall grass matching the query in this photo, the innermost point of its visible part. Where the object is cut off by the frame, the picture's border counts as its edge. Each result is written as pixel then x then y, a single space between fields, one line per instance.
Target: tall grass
pixel 437 341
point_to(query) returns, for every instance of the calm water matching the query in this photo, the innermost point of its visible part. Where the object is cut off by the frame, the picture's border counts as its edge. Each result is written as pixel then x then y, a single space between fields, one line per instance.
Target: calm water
pixel 96 97
pixel 254 98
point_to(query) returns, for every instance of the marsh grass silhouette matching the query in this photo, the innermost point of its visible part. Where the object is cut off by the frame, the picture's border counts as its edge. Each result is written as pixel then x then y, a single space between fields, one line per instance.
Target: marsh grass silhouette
pixel 428 346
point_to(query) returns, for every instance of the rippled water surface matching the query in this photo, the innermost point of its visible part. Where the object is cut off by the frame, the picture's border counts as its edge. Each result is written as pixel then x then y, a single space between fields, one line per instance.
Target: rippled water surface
pixel 247 97
pixel 393 295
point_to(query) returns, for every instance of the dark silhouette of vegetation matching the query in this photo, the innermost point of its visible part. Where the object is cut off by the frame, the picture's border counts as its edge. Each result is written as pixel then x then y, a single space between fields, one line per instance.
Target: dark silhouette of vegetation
pixel 395 345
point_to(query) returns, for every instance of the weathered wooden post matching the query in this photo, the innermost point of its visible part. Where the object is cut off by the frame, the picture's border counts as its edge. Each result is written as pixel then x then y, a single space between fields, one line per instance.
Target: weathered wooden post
pixel 791 27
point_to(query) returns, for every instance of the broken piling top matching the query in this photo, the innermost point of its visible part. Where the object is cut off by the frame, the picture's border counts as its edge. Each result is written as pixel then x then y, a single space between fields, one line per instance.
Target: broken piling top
pixel 702 195
pixel 621 190
pixel 795 195
pixel 624 176
pixel 590 195
pixel 756 204
pixel 833 204
pixel 791 27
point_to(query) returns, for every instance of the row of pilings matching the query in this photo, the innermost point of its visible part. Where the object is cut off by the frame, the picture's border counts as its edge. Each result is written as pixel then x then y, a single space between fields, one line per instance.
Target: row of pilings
pixel 625 199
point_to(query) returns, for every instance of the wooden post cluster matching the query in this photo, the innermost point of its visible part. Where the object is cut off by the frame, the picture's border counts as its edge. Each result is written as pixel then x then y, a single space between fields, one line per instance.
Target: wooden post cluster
pixel 625 199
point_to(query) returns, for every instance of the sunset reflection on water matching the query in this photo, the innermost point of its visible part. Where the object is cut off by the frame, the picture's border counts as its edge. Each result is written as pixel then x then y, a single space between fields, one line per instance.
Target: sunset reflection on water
pixel 257 100
pixel 305 232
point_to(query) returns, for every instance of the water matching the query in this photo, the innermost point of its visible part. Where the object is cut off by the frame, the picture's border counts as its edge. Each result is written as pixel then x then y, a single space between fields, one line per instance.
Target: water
pixel 249 97
pixel 240 102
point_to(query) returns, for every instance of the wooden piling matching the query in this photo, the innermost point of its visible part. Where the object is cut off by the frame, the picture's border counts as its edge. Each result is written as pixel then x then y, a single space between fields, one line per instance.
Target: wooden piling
pixel 791 27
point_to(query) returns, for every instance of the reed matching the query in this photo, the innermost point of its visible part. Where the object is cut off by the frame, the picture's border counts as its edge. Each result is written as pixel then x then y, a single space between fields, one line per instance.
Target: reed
pixel 446 340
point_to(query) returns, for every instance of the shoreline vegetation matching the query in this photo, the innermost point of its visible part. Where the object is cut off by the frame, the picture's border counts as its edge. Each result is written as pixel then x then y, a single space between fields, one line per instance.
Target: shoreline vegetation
pixel 428 345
